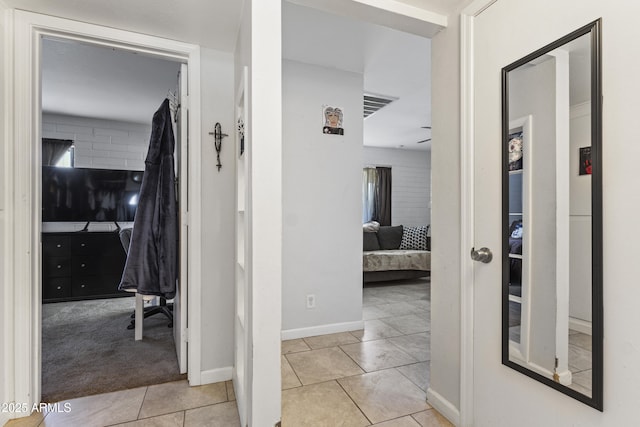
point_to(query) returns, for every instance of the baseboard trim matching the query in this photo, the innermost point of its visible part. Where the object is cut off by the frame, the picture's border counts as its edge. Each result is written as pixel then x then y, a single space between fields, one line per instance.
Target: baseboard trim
pixel 580 325
pixel 312 331
pixel 442 405
pixel 4 418
pixel 216 375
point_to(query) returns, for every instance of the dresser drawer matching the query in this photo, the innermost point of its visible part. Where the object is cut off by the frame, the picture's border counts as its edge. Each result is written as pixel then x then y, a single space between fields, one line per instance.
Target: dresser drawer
pixel 56 245
pixel 85 266
pixel 56 266
pixel 86 286
pixel 85 244
pixel 103 244
pixel 56 288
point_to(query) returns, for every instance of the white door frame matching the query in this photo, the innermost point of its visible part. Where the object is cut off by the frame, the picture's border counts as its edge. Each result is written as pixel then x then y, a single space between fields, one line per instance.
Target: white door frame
pixel 467 189
pixel 22 275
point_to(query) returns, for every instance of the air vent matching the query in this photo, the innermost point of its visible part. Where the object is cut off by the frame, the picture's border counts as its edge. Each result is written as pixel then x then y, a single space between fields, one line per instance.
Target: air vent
pixel 373 103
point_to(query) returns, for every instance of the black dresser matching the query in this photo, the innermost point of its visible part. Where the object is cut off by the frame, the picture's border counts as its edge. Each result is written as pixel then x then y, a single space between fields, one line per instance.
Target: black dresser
pixel 81 265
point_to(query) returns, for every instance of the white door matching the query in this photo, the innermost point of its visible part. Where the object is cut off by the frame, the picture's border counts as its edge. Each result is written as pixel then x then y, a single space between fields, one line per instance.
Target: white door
pixel 501 34
pixel 180 301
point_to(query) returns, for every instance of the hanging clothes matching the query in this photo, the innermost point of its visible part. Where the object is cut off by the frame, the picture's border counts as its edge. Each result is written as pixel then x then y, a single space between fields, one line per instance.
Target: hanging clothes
pixel 152 260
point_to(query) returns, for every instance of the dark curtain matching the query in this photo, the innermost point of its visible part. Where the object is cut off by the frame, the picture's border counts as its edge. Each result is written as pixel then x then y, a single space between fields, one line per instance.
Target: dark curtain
pixel 383 196
pixel 53 150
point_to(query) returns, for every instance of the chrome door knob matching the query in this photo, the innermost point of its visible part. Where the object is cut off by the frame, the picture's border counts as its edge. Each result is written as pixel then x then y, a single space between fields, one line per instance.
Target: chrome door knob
pixel 481 255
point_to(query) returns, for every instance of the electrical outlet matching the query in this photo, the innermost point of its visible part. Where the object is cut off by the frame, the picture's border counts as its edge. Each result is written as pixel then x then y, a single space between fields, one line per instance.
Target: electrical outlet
pixel 311 301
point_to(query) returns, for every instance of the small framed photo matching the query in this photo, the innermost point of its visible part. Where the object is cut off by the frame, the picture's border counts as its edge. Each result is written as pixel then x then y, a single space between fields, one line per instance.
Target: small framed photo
pixel 516 149
pixel 585 161
pixel 332 120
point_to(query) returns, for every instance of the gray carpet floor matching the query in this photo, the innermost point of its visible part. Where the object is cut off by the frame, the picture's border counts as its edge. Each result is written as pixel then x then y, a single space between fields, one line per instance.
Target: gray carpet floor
pixel 87 349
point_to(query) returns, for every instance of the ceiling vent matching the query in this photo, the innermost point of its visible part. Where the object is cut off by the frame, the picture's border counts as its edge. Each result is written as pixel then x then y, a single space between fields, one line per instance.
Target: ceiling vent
pixel 373 103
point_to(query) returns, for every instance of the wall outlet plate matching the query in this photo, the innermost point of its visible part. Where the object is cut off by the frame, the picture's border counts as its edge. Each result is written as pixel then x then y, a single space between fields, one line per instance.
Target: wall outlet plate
pixel 311 301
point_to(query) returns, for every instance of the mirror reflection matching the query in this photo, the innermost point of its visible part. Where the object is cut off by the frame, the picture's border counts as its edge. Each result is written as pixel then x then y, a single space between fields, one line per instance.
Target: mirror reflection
pixel 548 330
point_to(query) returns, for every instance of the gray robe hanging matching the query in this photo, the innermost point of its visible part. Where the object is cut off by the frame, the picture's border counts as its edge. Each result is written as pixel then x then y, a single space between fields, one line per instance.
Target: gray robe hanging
pixel 152 260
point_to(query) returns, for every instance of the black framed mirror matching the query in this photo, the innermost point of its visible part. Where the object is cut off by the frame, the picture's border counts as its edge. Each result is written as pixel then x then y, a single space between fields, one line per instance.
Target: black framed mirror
pixel 552 304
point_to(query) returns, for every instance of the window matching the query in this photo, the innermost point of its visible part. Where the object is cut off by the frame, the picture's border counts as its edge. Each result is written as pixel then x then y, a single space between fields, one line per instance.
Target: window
pixel 376 195
pixel 66 161
pixel 369 178
pixel 57 152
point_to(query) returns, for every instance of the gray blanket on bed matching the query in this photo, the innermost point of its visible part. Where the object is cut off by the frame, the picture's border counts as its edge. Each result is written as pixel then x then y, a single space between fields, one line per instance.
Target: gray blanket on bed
pixel 396 259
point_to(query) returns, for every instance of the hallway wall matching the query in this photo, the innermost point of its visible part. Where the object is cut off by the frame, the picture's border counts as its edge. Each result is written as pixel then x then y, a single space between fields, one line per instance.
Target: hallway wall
pixel 322 201
pixel 4 380
pixel 218 213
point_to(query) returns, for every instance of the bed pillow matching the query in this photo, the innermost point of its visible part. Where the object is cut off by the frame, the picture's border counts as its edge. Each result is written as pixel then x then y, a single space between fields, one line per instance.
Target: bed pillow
pixel 390 237
pixel 415 238
pixel 370 242
pixel 371 226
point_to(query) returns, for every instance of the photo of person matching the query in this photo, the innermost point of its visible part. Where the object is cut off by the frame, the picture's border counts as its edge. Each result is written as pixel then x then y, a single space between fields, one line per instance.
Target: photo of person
pixel 516 150
pixel 585 161
pixel 332 120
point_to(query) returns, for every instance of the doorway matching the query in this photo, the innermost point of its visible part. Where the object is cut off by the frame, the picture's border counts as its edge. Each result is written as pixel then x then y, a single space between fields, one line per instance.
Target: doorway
pixel 26 180
pixel 333 345
pixel 97 104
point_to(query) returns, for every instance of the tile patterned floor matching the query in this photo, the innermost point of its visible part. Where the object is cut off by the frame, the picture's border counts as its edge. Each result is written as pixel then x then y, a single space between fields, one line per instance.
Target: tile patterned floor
pixel 173 404
pixel 374 377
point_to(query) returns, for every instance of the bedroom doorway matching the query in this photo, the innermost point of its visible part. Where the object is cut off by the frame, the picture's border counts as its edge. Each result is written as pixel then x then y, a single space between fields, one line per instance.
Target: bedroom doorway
pixel 97 104
pixel 25 126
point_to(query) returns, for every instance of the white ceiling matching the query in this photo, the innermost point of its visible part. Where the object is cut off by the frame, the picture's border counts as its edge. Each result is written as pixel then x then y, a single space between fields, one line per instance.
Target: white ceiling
pixel 209 23
pixel 394 63
pixel 99 82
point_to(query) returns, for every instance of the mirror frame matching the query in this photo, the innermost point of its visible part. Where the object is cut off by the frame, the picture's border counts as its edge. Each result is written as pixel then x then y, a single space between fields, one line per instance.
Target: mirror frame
pixel 596 400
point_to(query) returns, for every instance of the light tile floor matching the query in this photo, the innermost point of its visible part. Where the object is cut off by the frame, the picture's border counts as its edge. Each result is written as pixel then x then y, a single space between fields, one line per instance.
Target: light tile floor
pixel 378 376
pixel 173 404
pixel 374 377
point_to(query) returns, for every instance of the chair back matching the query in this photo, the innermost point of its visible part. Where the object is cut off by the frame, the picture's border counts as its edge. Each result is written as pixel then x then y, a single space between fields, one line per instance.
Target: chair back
pixel 125 238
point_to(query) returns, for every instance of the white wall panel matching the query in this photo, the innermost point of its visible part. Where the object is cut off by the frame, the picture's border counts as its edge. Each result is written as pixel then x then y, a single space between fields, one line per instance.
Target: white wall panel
pixel 410 183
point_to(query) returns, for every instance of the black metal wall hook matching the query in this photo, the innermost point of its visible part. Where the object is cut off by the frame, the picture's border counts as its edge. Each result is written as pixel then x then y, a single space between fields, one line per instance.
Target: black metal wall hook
pixel 217 139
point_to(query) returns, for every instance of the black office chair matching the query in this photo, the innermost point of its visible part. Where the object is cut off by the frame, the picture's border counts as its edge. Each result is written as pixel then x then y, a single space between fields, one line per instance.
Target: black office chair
pixel 164 308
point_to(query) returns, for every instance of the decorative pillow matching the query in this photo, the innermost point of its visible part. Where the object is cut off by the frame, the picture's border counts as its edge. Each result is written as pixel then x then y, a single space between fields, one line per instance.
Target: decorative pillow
pixel 390 237
pixel 516 229
pixel 415 238
pixel 370 242
pixel 371 226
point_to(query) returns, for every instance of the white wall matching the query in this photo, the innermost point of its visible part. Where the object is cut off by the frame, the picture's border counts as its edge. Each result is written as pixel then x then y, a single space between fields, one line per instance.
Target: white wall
pixel 101 144
pixel 410 182
pixel 259 48
pixel 526 98
pixel 218 210
pixel 445 214
pixel 4 380
pixel 322 200
pixel 580 218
